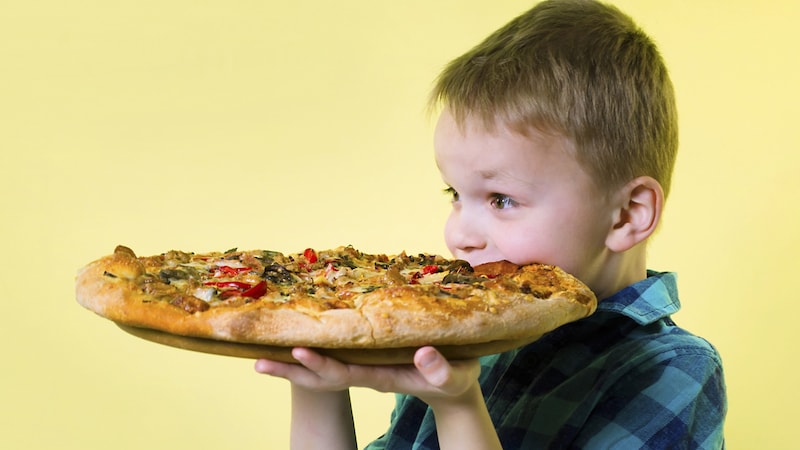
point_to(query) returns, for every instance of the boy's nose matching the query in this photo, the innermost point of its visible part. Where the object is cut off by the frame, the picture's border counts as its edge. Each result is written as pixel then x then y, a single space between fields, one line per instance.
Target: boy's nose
pixel 465 235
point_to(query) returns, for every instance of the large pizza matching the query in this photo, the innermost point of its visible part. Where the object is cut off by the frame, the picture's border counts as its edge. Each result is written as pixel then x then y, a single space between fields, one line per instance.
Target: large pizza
pixel 355 306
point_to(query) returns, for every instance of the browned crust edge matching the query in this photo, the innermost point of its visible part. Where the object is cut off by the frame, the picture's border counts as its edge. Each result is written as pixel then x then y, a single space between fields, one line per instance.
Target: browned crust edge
pixel 119 300
pixel 381 325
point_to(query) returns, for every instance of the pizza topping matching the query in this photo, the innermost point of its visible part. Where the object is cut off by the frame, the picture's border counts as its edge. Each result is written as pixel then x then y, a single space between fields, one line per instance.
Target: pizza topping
pixel 526 288
pixel 393 277
pixel 461 278
pixel 429 269
pixel 255 291
pixel 228 284
pixel 278 274
pixel 175 257
pixel 195 283
pixel 204 293
pixel 189 303
pixel 157 289
pixel 231 263
pixel 460 266
pixel 310 255
pixel 494 269
pixel 228 271
pixel 168 275
pixel 339 298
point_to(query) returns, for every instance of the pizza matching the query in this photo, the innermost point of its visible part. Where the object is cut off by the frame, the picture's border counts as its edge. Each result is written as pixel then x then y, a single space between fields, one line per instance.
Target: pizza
pixel 355 306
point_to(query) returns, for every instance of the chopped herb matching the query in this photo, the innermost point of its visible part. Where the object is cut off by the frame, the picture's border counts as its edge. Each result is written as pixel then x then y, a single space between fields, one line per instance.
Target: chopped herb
pixel 268 256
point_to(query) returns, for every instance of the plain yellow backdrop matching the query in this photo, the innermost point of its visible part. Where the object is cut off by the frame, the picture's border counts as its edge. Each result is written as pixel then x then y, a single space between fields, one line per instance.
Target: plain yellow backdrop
pixel 208 125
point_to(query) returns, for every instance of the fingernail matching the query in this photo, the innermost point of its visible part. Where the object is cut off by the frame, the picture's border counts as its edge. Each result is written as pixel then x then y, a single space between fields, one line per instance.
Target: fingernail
pixel 427 359
pixel 261 366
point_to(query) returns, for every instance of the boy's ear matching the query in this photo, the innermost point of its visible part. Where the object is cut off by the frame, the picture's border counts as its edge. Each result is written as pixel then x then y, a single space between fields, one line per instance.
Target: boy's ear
pixel 637 213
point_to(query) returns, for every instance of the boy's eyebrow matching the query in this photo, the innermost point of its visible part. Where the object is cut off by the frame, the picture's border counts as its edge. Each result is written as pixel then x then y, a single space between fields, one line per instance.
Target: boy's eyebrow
pixel 495 174
pixel 503 177
pixel 489 174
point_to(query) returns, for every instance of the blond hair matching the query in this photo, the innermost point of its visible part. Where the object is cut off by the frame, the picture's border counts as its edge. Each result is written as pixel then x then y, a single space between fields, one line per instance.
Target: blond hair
pixel 579 68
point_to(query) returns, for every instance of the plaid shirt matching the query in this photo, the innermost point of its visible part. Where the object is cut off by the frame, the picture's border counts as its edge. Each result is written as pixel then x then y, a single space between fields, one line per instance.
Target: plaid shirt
pixel 625 377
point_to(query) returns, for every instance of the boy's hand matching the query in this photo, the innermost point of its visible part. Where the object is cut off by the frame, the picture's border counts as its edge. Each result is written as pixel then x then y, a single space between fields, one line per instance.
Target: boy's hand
pixel 430 378
pixel 450 388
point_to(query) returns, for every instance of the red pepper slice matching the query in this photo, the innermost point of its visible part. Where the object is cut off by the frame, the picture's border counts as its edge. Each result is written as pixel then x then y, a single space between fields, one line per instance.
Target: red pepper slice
pixel 256 291
pixel 310 255
pixel 230 271
pixel 232 284
pixel 427 270
pixel 229 293
pixel 241 289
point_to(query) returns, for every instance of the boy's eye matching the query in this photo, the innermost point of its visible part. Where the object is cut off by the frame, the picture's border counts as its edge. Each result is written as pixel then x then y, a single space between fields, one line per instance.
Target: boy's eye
pixel 500 201
pixel 452 193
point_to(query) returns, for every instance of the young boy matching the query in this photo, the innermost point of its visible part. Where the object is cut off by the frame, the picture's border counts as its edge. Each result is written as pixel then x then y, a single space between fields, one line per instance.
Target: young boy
pixel 557 139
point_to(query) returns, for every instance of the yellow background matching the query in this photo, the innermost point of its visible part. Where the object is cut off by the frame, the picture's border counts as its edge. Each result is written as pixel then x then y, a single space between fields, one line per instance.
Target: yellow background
pixel 208 125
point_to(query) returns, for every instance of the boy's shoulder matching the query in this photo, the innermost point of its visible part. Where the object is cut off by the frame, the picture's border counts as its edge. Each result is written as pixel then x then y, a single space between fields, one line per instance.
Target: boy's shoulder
pixel 632 330
pixel 638 325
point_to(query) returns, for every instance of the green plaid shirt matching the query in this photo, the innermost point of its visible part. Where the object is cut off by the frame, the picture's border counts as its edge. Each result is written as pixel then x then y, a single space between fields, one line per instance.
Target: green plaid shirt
pixel 625 377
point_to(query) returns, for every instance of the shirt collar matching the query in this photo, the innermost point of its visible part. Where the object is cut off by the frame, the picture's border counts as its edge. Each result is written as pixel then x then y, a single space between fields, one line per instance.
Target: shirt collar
pixel 646 301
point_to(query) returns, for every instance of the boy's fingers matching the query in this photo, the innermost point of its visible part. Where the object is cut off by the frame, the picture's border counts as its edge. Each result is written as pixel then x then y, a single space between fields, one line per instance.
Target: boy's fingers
pixel 304 374
pixel 449 377
pixel 330 373
pixel 275 368
pixel 433 366
pixel 318 372
pixel 324 366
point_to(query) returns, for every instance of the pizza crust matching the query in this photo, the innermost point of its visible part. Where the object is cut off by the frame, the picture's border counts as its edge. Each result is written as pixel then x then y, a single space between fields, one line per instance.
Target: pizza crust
pixel 119 300
pixel 397 321
pixel 383 326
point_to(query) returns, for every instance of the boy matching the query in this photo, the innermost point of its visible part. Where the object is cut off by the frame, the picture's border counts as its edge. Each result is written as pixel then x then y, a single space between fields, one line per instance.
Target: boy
pixel 557 140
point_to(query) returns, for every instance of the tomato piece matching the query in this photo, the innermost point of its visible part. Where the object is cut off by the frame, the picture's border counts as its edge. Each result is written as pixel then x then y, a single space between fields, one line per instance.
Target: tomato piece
pixel 310 255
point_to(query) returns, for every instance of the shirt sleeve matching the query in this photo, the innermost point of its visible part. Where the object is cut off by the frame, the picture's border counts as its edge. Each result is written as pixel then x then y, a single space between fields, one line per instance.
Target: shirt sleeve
pixel 412 426
pixel 675 399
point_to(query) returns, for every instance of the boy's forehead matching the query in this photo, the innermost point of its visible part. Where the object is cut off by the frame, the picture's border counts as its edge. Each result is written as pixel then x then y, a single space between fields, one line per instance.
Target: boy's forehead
pixel 466 123
pixel 503 152
pixel 471 126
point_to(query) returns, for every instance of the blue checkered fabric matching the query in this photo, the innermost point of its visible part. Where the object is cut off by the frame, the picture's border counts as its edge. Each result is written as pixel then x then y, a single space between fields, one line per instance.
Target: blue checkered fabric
pixel 626 377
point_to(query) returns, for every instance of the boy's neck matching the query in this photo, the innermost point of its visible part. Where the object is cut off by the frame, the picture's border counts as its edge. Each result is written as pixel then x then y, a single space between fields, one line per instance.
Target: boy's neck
pixel 619 271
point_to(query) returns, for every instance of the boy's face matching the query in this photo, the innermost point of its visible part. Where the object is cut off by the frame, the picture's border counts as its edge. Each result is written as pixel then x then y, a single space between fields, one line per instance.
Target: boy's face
pixel 520 198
